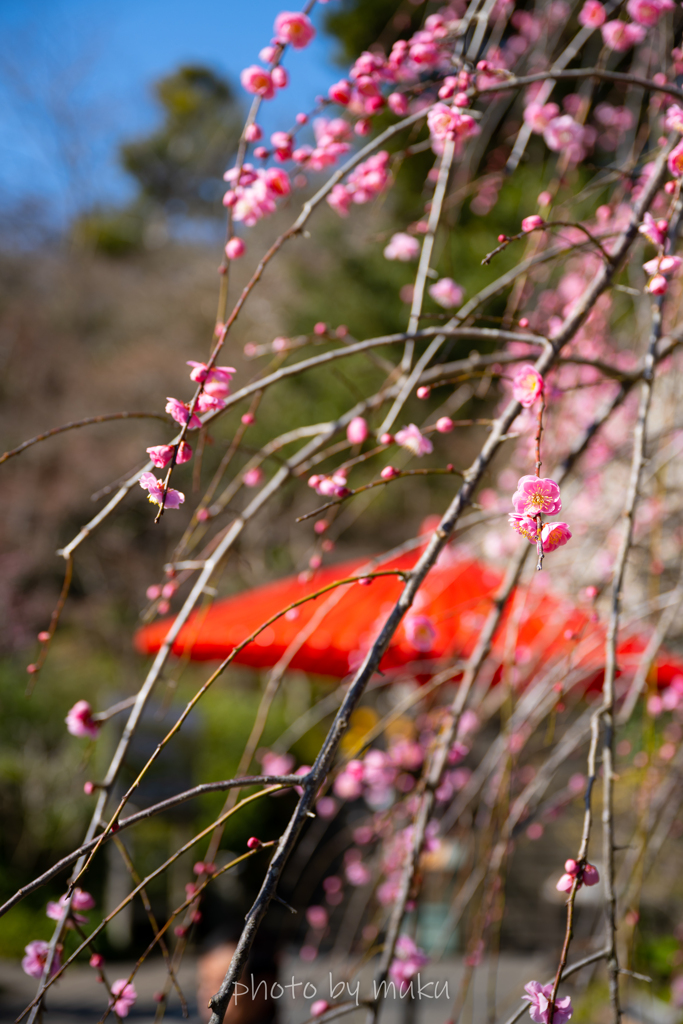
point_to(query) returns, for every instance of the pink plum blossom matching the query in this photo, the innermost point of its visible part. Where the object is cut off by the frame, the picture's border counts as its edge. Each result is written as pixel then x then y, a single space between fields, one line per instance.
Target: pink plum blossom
pixel 80 901
pixel 161 455
pixel 525 526
pixel 532 222
pixel 446 293
pixel 349 783
pixel 413 440
pixel 295 28
pixel 448 123
pixel 357 430
pixel 420 632
pixel 654 230
pixel 527 385
pixel 675 160
pixel 657 285
pixel 253 477
pixel 79 721
pixel 554 535
pixel 276 764
pixel 402 247
pixel 279 77
pixel 648 12
pixel 663 265
pixel 621 36
pixel 566 135
pixel 340 92
pixel 209 403
pixel 674 118
pixel 592 14
pixel 235 248
pixel 319 1007
pixel 357 873
pixel 180 413
pixel 539 997
pixel 408 959
pixel 445 425
pixel 536 494
pixel 34 962
pixel 172 499
pixel 539 116
pixel 125 996
pixel 257 81
pixel 317 917
pixel 216 380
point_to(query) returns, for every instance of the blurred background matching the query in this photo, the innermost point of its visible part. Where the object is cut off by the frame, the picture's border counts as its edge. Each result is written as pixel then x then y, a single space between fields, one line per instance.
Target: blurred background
pixel 117 121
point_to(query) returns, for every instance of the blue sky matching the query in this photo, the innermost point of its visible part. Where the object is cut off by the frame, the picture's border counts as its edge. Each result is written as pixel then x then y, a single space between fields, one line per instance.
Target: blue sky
pixel 76 76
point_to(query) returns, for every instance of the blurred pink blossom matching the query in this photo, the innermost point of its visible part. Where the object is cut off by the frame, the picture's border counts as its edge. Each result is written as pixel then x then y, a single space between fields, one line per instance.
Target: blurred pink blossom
pixel 413 440
pixel 34 962
pixel 402 247
pixel 295 28
pixel 79 721
pixel 527 385
pixel 446 292
pixel 539 997
pixel 125 996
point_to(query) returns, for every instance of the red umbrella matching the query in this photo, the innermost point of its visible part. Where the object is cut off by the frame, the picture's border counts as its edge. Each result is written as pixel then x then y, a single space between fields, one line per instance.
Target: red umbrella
pixel 443 625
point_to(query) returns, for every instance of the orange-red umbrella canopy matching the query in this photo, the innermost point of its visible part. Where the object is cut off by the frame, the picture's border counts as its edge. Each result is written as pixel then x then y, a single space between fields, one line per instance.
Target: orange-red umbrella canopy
pixel 444 623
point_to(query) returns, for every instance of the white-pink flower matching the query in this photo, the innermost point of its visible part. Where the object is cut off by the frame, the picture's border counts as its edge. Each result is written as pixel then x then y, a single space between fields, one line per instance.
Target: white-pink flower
pixel 446 293
pixel 539 997
pixel 125 996
pixel 79 721
pixel 654 230
pixel 527 385
pixel 420 632
pixel 621 36
pixel 357 430
pixel 525 526
pixel 648 12
pixel 536 494
pixel 295 28
pixel 555 535
pixel 413 440
pixel 674 118
pixel 34 962
pixel 663 265
pixel 408 959
pixel 539 116
pixel 402 247
pixel 592 14
pixel 257 81
pixel 154 487
pixel 180 413
pixel 532 222
pixel 566 135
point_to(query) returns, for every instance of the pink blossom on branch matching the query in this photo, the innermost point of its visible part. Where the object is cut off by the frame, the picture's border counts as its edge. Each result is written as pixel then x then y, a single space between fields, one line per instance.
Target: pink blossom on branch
pixel 536 494
pixel 621 36
pixel 413 440
pixel 402 247
pixel 408 959
pixel 357 430
pixel 592 14
pixel 257 81
pixel 675 160
pixel 663 265
pixel 172 499
pixel 654 230
pixel 181 413
pixel 648 12
pixel 125 995
pixel 566 135
pixel 446 293
pixel 79 721
pixel 295 28
pixel 539 997
pixel 532 222
pixel 525 526
pixel 527 385
pixel 555 535
pixel 674 118
pixel 34 962
pixel 420 632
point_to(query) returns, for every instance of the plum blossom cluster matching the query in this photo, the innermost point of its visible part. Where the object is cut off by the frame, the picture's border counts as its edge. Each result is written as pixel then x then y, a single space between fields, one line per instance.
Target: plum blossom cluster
pixel 535 497
pixel 254 192
pixel 539 996
pixel 582 874
pixel 366 181
pixel 215 388
pixel 408 960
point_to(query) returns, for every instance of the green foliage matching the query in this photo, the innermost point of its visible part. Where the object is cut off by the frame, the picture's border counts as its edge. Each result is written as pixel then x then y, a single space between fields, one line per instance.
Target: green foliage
pixel 182 162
